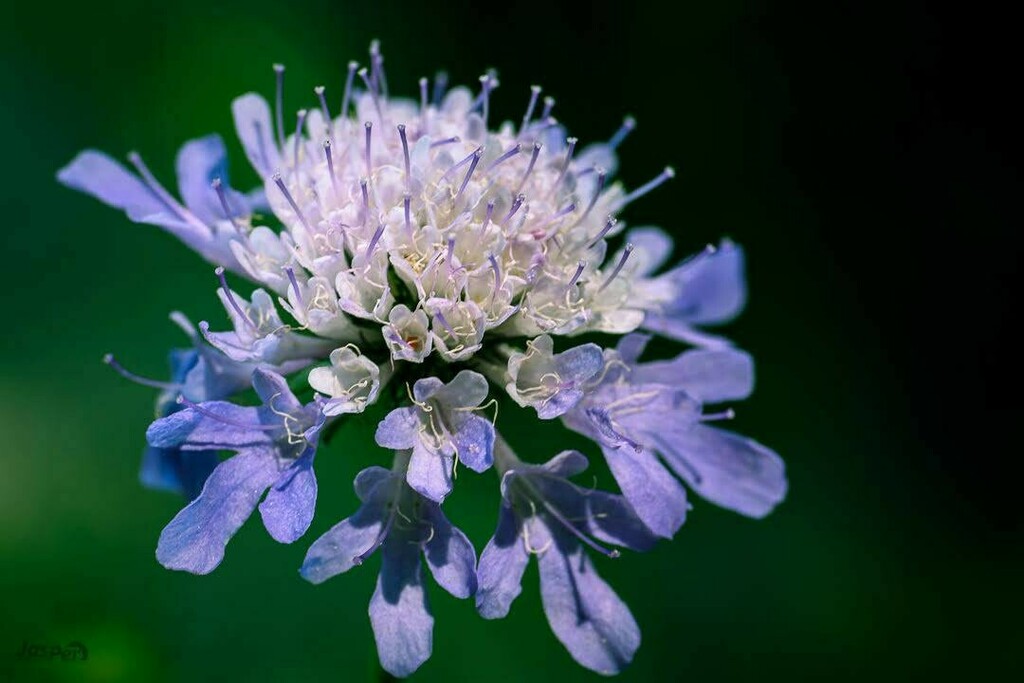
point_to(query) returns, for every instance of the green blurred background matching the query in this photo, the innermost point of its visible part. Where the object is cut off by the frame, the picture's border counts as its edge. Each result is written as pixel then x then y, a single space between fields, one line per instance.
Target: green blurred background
pixel 857 154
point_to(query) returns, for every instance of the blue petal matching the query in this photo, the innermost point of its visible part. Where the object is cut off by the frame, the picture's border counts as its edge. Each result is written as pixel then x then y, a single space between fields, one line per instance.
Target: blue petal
pixel 712 287
pixel 567 464
pixel 585 614
pixel 399 429
pixel 238 427
pixel 338 550
pixel 652 247
pixel 403 625
pixel 199 162
pixel 659 500
pixel 610 518
pixel 288 509
pixel 98 175
pixel 252 121
pixel 728 469
pixel 580 363
pixel 274 391
pixel 467 390
pixel 502 564
pixel 177 471
pixel 473 439
pixel 195 539
pixel 430 472
pixel 450 555
pixel 369 479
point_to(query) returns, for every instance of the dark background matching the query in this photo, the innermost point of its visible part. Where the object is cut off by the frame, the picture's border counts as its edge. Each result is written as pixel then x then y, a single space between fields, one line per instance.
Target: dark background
pixel 861 155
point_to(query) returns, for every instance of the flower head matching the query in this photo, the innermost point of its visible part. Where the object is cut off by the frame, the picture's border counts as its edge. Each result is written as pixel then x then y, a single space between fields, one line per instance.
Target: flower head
pixel 416 244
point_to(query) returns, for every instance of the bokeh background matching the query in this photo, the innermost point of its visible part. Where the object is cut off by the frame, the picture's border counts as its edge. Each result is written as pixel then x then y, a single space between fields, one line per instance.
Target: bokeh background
pixel 860 156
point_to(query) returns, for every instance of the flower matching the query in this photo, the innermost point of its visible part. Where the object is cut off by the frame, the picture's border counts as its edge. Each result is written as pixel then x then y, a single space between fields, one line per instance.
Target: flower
pixel 544 515
pixel 416 244
pixel 402 525
pixel 274 446
pixel 440 427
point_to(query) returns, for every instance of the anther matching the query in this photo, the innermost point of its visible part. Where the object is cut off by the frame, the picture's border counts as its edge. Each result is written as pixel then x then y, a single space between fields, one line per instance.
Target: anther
pixel 319 90
pixel 628 124
pixel 472 167
pixel 440 85
pixel 665 175
pixel 295 284
pixel 529 168
pixel 601 175
pixel 423 98
pixel 291 201
pixel 485 95
pixel 505 157
pixel 604 231
pixel 448 258
pixel 374 240
pixel 580 267
pixel 369 135
pixel 565 164
pixel 618 266
pixel 352 66
pixel 516 204
pixel 219 272
pixel 132 377
pixel 497 270
pixel 727 414
pixel 330 165
pixel 301 121
pixel 549 104
pixel 374 95
pixel 366 198
pixel 446 141
pixel 405 151
pixel 222 196
pixel 279 103
pixel 534 93
pixel 488 216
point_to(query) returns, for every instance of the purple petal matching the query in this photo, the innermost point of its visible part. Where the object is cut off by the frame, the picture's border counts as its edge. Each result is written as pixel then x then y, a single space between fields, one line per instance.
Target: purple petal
pixel 631 347
pixel 195 539
pixel 474 442
pixel 728 469
pixel 585 614
pixel 502 564
pixel 252 121
pixel 399 429
pixel 403 625
pixel 287 511
pixel 566 464
pixel 682 330
pixel 430 472
pixel 450 556
pixel 238 427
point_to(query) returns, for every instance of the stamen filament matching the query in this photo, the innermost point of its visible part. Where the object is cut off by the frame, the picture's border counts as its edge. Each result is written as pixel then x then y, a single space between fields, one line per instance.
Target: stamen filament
pixel 618 267
pixel 219 272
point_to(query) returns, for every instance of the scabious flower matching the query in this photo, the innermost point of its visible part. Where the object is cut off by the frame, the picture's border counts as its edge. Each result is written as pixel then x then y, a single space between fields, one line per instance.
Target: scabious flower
pixel 409 251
